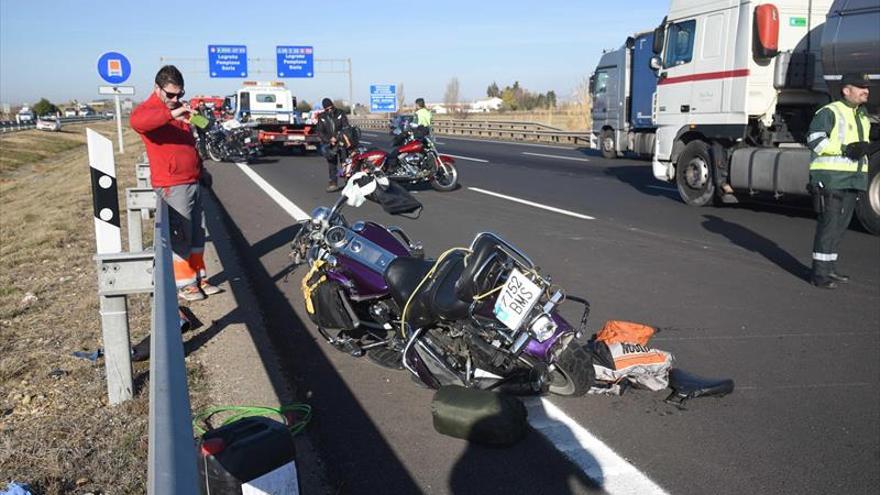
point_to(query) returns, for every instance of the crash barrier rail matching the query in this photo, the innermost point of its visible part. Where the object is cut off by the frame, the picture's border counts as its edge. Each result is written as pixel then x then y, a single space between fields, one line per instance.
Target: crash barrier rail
pixel 506 130
pixel 171 459
pixel 12 126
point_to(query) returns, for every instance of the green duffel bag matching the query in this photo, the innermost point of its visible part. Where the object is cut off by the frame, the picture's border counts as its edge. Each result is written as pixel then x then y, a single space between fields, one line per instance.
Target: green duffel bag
pixel 480 416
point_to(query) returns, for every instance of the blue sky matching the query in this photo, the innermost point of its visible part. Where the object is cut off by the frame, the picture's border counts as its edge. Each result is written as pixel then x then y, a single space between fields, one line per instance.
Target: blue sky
pixel 50 48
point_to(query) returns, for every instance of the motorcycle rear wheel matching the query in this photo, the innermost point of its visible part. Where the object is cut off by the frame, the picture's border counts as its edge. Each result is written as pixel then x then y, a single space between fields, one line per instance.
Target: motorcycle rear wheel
pixel 574 374
pixel 446 177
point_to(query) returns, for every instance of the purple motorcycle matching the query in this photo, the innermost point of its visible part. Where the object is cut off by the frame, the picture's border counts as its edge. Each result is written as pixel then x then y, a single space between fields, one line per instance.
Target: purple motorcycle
pixel 481 317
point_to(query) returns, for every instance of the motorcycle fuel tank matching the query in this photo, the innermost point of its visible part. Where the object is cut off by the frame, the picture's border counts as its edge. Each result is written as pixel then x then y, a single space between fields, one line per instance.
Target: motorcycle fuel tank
pixel 412 147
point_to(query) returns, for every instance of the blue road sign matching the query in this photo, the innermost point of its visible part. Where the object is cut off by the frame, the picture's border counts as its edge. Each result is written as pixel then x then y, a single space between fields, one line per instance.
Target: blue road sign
pixel 114 67
pixel 227 60
pixel 383 98
pixel 295 61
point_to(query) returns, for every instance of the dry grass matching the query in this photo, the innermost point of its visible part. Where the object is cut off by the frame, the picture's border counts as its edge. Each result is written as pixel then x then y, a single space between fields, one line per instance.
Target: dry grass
pixel 56 431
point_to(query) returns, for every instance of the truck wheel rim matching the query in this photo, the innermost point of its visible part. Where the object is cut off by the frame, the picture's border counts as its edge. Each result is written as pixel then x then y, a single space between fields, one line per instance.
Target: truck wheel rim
pixel 697 173
pixel 874 194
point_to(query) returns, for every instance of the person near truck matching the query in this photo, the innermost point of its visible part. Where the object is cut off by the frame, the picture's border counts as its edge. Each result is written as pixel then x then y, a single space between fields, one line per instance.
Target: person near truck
pixel 331 123
pixel 838 138
pixel 177 175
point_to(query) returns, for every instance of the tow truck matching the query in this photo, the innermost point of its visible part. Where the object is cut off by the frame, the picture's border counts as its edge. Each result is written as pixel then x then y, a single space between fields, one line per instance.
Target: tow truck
pixel 273 108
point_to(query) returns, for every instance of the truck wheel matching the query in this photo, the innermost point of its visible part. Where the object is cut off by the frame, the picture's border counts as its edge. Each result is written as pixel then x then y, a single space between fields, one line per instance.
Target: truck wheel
pixel 606 143
pixel 868 206
pixel 694 175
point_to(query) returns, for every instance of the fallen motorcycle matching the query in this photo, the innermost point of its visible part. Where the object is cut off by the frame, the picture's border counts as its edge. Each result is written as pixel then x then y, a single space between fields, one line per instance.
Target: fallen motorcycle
pixel 230 141
pixel 482 317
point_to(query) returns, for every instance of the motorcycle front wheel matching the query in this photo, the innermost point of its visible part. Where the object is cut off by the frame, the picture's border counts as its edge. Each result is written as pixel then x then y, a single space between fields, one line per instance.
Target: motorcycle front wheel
pixel 446 177
pixel 573 375
pixel 213 152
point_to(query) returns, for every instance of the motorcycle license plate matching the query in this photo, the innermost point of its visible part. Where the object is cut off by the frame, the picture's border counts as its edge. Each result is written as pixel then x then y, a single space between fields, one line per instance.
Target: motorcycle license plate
pixel 516 300
pixel 295 138
pixel 247 140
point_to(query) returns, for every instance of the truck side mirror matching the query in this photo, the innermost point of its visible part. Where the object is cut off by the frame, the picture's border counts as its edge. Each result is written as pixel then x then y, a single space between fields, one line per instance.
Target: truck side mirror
pixel 655 62
pixel 659 38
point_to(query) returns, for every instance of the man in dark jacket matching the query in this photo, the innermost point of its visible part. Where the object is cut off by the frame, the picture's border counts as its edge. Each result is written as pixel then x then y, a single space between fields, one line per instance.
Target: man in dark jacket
pixel 330 124
pixel 176 172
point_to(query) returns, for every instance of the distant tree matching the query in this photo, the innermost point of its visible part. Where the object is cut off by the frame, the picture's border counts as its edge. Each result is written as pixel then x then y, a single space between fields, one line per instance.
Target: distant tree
pixel 401 96
pixel 450 98
pixel 508 99
pixel 44 107
pixel 493 91
pixel 551 99
pixel 303 106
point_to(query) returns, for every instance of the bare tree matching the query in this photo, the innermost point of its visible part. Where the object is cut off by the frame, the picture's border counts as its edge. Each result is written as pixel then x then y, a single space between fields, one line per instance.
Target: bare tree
pixel 451 96
pixel 583 100
pixel 401 96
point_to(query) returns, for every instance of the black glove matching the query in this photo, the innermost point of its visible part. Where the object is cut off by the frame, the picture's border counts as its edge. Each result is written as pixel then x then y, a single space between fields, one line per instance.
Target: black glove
pixel 205 179
pixel 857 150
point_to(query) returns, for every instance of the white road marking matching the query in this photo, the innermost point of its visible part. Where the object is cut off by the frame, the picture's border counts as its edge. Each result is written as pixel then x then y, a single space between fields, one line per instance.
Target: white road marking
pixel 369 135
pixel 273 193
pixel 663 188
pixel 601 464
pixel 466 158
pixel 366 142
pixel 530 203
pixel 438 142
pixel 559 157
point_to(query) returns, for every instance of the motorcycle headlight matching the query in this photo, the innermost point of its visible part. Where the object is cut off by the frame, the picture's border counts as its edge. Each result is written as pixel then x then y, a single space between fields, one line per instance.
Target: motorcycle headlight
pixel 543 327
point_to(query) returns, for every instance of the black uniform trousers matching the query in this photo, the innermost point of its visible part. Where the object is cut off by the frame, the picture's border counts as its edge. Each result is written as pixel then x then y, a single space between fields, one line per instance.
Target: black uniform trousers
pixel 835 213
pixel 331 154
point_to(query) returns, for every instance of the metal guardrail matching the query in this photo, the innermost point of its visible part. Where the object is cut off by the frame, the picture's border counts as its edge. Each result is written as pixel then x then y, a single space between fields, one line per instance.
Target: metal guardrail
pixel 171 456
pixel 12 126
pixel 505 130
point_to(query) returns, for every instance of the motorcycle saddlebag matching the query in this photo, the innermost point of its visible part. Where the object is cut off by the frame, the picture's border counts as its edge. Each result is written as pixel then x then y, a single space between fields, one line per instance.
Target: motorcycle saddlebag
pixel 325 302
pixel 480 416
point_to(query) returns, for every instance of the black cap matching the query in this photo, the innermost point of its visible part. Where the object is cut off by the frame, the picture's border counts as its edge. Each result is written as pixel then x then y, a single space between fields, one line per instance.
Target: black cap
pixel 858 80
pixel 326 103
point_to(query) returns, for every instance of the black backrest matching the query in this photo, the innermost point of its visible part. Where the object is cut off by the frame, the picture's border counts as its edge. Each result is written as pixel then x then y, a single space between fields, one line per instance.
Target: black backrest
pixel 486 248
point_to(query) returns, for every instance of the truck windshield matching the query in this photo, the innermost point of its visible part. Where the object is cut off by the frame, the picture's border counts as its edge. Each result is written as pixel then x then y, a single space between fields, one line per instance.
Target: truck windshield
pixel 265 98
pixel 601 82
pixel 680 43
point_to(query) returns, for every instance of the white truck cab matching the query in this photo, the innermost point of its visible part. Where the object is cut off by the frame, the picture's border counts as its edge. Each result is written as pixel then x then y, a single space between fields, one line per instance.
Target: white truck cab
pixel 265 102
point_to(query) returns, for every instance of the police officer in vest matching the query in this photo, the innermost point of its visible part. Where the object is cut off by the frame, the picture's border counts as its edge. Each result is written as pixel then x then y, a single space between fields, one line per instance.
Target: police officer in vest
pixel 838 137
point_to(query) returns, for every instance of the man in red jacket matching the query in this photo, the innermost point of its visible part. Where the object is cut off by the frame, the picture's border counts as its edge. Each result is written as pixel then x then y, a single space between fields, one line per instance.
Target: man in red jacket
pixel 176 172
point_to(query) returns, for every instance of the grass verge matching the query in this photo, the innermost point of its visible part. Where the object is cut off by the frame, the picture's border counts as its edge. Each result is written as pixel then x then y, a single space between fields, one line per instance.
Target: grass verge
pixel 57 432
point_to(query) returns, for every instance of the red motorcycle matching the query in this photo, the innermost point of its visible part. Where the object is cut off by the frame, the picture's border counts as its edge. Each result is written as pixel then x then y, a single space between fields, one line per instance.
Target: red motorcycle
pixel 416 160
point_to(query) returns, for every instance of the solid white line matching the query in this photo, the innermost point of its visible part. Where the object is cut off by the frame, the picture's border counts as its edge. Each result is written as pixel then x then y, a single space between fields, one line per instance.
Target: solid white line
pixel 557 157
pixel 663 188
pixel 466 158
pixel 530 203
pixel 273 193
pixel 601 464
pixel 366 142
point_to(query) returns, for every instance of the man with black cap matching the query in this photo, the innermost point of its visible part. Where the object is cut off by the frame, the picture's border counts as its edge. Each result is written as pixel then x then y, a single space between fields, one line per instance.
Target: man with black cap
pixel 331 122
pixel 838 137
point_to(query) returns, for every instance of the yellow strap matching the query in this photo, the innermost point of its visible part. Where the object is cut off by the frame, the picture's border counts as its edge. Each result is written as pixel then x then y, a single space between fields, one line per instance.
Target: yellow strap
pixel 308 288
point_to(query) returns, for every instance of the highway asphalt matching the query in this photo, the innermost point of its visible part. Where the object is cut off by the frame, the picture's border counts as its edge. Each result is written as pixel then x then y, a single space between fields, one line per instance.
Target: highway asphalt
pixel 725 286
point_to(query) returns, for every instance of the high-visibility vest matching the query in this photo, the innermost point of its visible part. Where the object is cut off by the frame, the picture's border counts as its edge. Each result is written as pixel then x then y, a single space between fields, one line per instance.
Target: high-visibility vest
pixel 829 152
pixel 423 117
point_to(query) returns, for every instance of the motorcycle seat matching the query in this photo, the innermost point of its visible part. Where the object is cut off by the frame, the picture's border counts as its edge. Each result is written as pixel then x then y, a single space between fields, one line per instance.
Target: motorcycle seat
pixel 686 385
pixel 436 298
pixel 403 276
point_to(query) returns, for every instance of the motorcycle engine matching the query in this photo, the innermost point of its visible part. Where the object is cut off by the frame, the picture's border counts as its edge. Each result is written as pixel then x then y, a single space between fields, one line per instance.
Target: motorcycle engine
pixel 417 164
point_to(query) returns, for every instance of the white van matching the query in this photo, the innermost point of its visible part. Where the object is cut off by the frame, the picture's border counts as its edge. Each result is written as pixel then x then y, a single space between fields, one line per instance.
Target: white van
pixel 266 102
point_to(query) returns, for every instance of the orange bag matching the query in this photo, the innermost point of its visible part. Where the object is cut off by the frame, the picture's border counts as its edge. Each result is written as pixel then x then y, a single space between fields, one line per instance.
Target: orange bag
pixel 616 331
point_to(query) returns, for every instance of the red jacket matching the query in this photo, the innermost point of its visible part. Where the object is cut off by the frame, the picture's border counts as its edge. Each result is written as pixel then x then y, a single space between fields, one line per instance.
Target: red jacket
pixel 170 144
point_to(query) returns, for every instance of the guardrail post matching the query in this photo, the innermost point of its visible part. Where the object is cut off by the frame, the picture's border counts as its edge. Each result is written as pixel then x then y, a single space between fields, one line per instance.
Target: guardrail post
pixel 137 202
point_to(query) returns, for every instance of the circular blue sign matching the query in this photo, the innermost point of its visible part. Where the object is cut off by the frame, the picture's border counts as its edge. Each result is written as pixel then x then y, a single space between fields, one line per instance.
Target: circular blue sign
pixel 114 67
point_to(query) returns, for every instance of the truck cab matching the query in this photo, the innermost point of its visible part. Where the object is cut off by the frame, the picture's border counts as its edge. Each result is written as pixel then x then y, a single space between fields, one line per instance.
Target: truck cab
pixel 266 102
pixel 622 90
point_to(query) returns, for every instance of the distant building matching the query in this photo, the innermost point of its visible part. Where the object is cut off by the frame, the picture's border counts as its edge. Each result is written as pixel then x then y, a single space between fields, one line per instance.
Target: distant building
pixel 488 105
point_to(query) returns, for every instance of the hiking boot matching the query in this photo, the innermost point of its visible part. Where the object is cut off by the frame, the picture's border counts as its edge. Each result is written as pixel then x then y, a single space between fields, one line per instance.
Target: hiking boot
pixel 209 289
pixel 191 293
pixel 332 187
pixel 825 283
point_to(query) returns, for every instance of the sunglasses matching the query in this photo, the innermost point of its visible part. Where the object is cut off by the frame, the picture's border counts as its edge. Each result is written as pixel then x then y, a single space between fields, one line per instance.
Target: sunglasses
pixel 172 96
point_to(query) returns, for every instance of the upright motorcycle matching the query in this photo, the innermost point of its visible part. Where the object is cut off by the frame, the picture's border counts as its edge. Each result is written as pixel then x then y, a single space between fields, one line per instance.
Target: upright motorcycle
pixel 482 316
pixel 415 159
pixel 230 141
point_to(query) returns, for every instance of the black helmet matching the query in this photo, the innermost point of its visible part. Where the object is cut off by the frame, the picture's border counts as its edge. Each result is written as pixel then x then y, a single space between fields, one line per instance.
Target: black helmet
pixel 326 103
pixel 858 80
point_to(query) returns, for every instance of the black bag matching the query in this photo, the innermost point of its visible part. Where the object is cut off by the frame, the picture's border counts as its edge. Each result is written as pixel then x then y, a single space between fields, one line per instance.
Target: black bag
pixel 329 309
pixel 394 199
pixel 480 416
